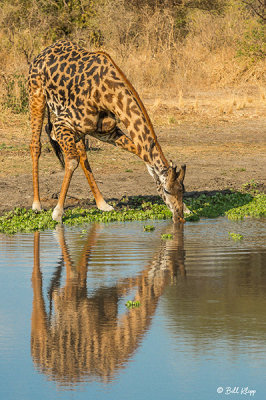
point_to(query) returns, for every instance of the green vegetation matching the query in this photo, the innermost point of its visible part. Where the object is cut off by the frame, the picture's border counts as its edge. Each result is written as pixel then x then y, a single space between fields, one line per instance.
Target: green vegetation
pixel 22 220
pixel 172 120
pixel 251 186
pixel 235 205
pixel 4 146
pixel 235 236
pixel 148 228
pixel 132 304
pixel 166 236
pixel 218 204
pixel 255 208
pixel 252 46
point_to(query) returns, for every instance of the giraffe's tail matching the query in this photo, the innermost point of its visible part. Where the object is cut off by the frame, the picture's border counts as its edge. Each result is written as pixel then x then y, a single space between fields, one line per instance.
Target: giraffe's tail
pixel 57 149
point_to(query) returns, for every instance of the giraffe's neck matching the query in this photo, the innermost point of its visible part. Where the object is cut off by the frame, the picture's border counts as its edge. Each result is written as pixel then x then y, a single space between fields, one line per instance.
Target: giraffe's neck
pixel 141 131
pixel 127 105
pixel 142 134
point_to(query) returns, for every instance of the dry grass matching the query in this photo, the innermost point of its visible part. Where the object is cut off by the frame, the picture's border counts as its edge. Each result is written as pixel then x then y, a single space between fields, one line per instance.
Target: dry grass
pixel 146 46
pixel 154 59
pixel 216 104
pixel 194 77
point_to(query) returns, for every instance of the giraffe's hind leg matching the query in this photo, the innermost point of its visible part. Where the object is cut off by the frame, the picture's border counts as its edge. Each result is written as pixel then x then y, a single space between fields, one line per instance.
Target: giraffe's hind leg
pixel 100 202
pixel 37 107
pixel 65 138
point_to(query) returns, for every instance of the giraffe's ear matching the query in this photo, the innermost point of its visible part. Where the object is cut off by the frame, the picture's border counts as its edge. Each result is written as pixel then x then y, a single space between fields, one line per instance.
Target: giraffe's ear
pixel 172 174
pixel 182 173
pixel 172 165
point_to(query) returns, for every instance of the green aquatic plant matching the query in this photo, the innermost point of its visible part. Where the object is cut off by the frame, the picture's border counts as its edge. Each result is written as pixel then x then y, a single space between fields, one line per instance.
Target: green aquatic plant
pixel 148 228
pixel 166 236
pixel 235 205
pixel 22 220
pixel 132 304
pixel 256 208
pixel 235 236
pixel 218 204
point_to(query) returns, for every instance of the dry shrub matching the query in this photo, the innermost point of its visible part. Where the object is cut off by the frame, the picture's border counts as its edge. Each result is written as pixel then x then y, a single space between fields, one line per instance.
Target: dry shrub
pixel 208 56
pixel 155 58
pixel 142 44
pixel 216 49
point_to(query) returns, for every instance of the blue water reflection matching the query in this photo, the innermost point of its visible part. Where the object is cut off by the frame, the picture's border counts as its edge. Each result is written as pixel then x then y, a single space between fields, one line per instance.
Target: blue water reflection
pixel 65 332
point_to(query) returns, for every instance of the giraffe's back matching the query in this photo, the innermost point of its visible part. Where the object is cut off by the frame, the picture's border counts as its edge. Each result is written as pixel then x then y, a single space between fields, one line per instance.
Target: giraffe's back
pixel 78 85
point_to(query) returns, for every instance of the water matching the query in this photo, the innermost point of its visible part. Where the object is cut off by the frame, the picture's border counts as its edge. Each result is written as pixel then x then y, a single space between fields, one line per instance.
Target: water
pixel 65 332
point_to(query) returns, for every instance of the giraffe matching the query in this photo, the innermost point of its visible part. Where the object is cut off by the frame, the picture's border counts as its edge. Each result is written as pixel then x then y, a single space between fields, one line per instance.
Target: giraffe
pixel 85 335
pixel 89 95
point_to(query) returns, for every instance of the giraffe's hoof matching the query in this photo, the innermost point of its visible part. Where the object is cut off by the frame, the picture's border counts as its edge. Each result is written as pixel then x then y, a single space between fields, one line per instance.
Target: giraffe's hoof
pixel 103 206
pixel 36 206
pixel 57 214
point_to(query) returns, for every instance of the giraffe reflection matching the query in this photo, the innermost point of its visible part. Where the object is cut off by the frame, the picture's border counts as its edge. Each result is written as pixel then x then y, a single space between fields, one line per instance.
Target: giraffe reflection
pixel 87 338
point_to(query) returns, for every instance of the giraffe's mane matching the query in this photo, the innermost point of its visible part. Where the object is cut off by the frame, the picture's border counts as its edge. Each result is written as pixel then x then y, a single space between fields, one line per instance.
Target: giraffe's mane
pixel 139 101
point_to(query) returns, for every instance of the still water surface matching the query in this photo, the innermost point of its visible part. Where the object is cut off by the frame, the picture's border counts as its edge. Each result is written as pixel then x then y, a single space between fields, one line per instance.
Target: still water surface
pixel 65 332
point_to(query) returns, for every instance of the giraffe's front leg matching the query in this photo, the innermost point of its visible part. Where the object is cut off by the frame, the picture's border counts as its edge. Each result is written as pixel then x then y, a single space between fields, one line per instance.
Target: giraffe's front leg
pixel 100 202
pixel 119 139
pixel 71 164
pixel 65 139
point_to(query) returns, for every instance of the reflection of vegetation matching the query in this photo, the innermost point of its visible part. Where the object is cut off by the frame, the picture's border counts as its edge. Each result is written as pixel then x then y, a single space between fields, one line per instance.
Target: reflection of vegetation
pixel 235 205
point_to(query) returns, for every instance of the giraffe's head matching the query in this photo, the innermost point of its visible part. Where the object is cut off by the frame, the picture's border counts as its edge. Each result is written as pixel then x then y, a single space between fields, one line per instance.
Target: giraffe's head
pixel 173 188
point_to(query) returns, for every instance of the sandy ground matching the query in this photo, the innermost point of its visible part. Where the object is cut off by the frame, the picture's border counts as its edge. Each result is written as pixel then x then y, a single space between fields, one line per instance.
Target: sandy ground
pixel 223 147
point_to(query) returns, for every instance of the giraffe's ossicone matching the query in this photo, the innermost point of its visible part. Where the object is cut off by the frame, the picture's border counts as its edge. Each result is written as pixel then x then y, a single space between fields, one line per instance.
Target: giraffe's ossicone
pixel 88 94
